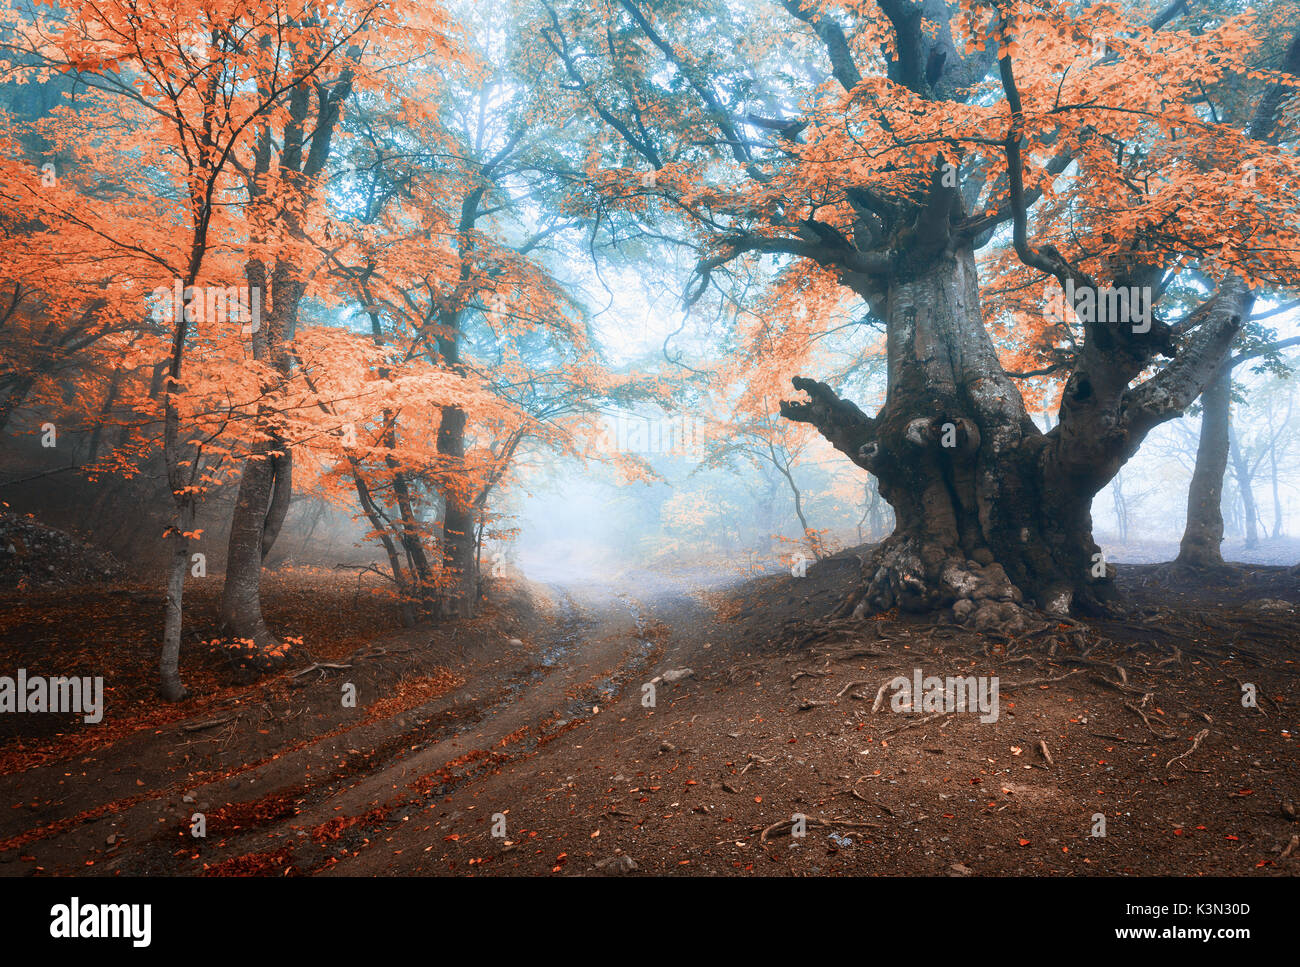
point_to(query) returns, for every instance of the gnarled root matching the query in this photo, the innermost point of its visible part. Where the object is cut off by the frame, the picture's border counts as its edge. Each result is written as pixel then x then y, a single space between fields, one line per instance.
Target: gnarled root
pixel 917 579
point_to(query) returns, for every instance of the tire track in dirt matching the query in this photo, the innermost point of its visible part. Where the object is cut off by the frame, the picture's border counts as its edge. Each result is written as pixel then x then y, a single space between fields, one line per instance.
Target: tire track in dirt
pixel 301 801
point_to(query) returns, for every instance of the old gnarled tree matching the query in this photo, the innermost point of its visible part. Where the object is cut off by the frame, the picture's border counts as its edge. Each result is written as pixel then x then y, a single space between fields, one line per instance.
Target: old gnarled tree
pixel 938 129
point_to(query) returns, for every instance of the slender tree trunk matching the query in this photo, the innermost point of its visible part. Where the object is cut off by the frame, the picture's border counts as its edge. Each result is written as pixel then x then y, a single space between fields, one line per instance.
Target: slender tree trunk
pixel 405 593
pixel 810 539
pixel 241 601
pixel 1203 533
pixel 265 484
pixel 1277 499
pixel 281 495
pixel 411 533
pixel 460 513
pixel 1242 472
pixel 1121 507
pixel 459 520
pixel 170 686
pixel 182 480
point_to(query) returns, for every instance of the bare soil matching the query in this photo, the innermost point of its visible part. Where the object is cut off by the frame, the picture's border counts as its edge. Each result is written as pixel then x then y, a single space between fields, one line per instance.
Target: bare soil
pixel 533 722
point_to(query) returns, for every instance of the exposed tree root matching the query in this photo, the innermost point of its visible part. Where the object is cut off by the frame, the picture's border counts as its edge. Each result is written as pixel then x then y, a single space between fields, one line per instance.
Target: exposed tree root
pixel 1164 736
pixel 919 722
pixel 1196 743
pixel 785 826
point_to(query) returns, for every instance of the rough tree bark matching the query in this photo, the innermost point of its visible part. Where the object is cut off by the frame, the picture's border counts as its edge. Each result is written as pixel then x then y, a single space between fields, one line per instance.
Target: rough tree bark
pixel 990 511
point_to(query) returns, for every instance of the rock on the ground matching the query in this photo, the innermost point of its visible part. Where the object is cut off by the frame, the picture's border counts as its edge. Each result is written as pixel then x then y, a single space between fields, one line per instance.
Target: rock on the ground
pixel 33 556
pixel 620 863
pixel 1271 604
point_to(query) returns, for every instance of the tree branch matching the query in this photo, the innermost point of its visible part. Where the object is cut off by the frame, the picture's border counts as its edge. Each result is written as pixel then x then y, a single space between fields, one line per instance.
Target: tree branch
pixel 840 421
pixel 1174 388
pixel 843 69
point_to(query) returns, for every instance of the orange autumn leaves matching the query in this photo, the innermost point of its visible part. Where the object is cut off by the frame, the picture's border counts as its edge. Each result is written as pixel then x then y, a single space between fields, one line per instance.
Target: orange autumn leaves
pixel 160 172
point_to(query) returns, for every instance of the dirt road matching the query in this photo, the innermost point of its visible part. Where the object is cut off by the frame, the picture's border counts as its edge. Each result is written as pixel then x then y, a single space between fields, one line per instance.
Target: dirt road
pixel 660 726
pixel 134 806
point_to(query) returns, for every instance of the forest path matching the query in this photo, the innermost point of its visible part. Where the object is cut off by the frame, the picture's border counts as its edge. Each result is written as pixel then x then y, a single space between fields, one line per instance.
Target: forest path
pixel 628 637
pixel 518 743
pixel 584 662
pixel 130 808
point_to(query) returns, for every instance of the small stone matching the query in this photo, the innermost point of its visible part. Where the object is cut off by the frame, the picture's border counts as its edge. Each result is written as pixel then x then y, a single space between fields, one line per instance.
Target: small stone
pixel 620 863
pixel 677 674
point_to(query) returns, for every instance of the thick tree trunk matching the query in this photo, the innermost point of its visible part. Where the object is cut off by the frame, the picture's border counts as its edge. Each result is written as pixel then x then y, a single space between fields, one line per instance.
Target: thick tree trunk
pixel 1203 533
pixel 983 519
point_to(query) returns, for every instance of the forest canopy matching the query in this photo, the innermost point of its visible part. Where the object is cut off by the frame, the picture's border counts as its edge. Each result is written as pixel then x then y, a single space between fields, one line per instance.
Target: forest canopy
pixel 940 268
